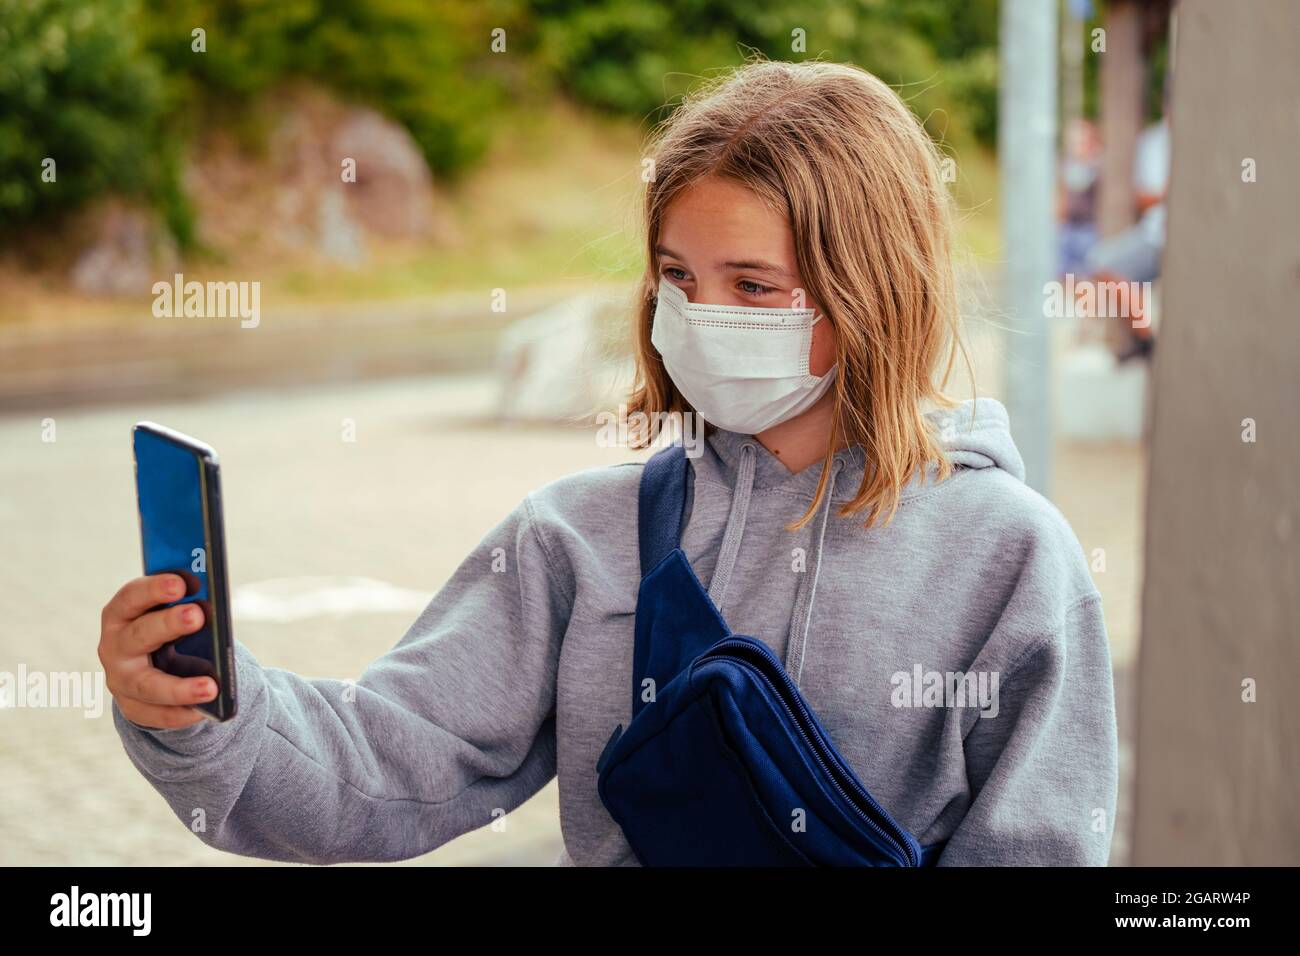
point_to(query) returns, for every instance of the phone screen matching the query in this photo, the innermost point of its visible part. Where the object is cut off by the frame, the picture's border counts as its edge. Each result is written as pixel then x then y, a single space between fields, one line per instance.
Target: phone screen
pixel 170 481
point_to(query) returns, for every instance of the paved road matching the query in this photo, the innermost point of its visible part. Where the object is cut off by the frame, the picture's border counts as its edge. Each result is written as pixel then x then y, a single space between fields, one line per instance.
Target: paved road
pixel 424 480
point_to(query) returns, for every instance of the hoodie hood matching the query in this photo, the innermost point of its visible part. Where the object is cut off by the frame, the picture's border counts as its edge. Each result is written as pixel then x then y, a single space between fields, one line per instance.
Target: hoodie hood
pixel 975 433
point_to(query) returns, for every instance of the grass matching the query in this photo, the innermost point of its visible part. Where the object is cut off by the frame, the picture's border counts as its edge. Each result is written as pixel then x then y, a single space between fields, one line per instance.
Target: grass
pixel 555 204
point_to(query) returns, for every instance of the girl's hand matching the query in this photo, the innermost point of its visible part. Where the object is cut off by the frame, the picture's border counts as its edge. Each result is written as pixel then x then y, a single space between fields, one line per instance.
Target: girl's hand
pixel 129 629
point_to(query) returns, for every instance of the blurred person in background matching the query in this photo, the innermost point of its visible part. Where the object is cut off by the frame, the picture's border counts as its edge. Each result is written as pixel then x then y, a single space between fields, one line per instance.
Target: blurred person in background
pixel 1078 189
pixel 1132 258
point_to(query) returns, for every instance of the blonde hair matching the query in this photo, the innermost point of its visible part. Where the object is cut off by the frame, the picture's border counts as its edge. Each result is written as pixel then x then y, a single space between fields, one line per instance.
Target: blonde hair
pixel 840 154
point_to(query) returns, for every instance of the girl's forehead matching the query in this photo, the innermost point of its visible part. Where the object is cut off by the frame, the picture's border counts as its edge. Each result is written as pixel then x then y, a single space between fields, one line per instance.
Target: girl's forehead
pixel 714 194
pixel 726 220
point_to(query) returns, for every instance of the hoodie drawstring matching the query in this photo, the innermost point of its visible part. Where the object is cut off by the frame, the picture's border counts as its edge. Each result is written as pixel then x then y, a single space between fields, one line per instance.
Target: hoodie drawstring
pixel 801 617
pixel 735 526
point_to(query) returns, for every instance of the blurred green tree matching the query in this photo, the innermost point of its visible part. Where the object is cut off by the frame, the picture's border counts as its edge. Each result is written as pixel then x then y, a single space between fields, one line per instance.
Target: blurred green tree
pixel 113 92
pixel 80 108
pixel 425 63
pixel 636 56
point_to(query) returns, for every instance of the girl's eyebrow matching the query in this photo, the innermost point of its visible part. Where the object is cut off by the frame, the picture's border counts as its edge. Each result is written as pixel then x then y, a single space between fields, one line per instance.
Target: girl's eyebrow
pixel 757 265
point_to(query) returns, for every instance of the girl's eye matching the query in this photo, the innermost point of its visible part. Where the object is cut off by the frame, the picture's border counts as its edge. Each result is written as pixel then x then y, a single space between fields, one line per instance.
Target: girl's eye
pixel 750 287
pixel 669 270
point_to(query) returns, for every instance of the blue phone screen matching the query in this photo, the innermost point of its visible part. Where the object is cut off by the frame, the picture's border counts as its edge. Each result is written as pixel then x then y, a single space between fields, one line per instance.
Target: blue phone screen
pixel 169 486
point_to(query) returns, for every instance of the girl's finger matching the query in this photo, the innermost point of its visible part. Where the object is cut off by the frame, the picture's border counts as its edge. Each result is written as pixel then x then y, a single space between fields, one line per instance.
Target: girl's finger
pixel 140 595
pixel 153 630
pixel 159 716
pixel 153 686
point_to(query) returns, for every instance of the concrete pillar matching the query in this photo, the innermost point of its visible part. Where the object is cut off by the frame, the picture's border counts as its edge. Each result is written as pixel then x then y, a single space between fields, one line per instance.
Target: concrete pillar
pixel 1218 778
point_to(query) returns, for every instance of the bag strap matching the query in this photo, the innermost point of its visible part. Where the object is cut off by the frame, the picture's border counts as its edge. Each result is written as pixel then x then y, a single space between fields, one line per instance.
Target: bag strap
pixel 661 505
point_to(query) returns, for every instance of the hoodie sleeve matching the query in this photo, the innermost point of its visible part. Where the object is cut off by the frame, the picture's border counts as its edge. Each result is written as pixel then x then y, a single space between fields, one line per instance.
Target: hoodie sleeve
pixel 1043 772
pixel 450 729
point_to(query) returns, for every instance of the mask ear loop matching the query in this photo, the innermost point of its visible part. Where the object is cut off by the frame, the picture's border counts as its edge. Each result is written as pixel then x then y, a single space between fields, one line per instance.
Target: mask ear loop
pixel 807 365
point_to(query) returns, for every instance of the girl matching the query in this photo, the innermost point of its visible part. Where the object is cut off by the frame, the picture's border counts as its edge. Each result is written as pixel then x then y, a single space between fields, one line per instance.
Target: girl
pixel 942 624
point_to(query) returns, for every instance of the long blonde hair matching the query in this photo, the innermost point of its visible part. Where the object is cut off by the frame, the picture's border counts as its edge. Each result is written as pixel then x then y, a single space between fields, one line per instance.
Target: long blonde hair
pixel 840 153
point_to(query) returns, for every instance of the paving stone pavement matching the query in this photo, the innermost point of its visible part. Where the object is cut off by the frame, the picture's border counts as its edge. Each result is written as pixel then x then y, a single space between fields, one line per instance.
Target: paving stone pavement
pixel 424 480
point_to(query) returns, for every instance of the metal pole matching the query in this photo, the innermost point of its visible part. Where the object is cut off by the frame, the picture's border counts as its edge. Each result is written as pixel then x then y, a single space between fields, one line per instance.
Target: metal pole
pixel 1027 157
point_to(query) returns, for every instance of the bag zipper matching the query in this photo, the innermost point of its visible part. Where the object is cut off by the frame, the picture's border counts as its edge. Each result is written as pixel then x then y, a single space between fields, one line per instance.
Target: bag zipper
pixel 816 742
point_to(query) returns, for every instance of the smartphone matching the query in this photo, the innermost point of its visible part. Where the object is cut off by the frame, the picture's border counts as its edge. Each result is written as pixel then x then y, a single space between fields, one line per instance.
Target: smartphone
pixel 178 487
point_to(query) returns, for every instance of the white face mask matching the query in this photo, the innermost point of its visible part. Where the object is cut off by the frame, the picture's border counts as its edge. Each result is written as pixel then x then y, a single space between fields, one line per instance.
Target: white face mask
pixel 744 369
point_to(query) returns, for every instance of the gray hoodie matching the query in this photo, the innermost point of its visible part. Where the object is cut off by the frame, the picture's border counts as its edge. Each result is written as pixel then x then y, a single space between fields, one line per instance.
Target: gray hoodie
pixel 957 657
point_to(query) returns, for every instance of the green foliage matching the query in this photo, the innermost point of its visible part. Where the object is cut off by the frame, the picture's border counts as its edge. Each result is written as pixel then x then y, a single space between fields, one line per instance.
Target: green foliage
pixel 973 82
pixel 633 56
pixel 74 89
pixel 425 64
pixel 115 91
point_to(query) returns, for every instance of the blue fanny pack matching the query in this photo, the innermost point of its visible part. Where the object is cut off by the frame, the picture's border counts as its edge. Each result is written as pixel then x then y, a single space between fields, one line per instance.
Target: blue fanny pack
pixel 723 761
